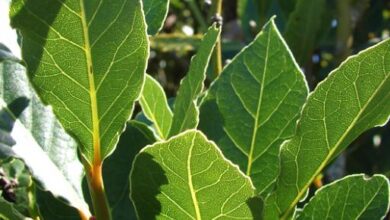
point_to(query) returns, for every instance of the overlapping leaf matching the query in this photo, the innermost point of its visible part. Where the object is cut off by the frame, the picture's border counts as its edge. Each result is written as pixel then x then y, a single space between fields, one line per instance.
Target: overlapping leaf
pixel 155 13
pixel 353 197
pixel 31 132
pixel 87 60
pixel 186 112
pixel 187 177
pixel 155 107
pixel 354 98
pixel 117 167
pixel 259 96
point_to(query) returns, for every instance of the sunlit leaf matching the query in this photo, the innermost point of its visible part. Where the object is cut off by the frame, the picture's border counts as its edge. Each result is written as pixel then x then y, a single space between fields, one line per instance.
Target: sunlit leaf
pixel 186 112
pixel 253 107
pixel 155 107
pixel 30 131
pixel 353 99
pixel 87 60
pixel 187 177
pixel 155 13
pixel 353 197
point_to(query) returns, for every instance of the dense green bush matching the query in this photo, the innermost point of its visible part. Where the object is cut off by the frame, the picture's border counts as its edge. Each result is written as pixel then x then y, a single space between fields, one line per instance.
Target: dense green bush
pixel 249 146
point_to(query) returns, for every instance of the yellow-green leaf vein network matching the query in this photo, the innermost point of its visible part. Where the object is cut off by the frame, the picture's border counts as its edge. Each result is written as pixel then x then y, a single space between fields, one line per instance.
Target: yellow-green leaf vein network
pixel 87 59
pixel 187 177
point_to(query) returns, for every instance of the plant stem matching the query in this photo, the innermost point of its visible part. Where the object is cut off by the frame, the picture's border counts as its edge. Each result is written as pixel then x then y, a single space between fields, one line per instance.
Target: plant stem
pixel 97 192
pixel 217 56
pixel 32 202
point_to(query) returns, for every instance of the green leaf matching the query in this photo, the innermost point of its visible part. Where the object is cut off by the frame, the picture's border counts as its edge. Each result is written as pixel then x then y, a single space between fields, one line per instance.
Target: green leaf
pixel 353 197
pixel 175 42
pixel 37 137
pixel 117 167
pixel 259 96
pixel 155 107
pixel 6 54
pixel 185 111
pixel 116 171
pixel 353 99
pixel 155 13
pixel 87 60
pixel 187 177
pixel 14 171
pixel 287 6
pixel 253 11
pixel 304 28
pixel 52 208
pixel 8 211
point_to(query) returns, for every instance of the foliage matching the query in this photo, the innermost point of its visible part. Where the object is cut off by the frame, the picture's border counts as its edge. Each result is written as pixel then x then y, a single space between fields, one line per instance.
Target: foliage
pixel 248 142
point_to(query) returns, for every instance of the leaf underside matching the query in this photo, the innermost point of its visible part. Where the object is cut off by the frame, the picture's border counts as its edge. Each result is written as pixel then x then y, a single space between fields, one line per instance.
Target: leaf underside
pixel 155 107
pixel 155 13
pixel 38 138
pixel 87 60
pixel 254 105
pixel 185 111
pixel 187 177
pixel 353 197
pixel 353 99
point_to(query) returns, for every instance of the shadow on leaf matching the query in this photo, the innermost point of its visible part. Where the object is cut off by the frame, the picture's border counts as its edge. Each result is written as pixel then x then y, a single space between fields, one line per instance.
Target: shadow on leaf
pixel 145 190
pixel 8 115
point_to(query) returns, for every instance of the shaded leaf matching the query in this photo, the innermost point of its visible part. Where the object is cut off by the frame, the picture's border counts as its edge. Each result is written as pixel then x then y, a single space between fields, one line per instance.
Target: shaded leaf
pixel 353 197
pixel 6 54
pixel 14 173
pixel 53 208
pixel 8 212
pixel 38 138
pixel 353 99
pixel 155 13
pixel 287 6
pixel 185 112
pixel 155 107
pixel 253 11
pixel 304 27
pixel 187 177
pixel 87 60
pixel 259 96
pixel 117 167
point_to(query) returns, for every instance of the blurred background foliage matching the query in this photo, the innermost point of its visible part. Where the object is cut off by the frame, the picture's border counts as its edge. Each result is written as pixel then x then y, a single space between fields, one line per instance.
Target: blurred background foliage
pixel 320 33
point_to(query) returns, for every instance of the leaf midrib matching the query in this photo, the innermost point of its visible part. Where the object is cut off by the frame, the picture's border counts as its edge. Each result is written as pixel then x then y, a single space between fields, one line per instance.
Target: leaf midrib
pixel 255 128
pixel 190 183
pixel 333 150
pixel 92 89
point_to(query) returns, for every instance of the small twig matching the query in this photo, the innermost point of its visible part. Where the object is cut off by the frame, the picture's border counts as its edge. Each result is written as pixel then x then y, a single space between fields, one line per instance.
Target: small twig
pixel 217 18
